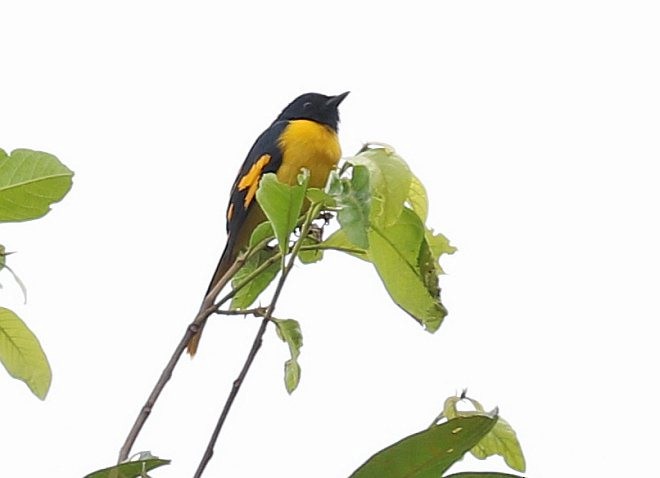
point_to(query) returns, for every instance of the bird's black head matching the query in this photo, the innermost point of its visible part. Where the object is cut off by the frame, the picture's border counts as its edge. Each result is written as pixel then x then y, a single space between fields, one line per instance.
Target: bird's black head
pixel 315 107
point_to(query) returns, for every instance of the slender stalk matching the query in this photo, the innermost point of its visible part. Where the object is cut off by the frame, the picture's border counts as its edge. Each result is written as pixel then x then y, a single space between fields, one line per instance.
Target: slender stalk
pixel 256 344
pixel 166 374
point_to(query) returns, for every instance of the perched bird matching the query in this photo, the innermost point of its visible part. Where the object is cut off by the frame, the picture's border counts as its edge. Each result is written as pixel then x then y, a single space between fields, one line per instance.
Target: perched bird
pixel 304 135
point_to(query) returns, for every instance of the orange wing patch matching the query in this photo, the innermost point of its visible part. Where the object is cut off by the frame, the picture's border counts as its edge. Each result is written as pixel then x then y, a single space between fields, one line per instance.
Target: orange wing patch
pixel 251 180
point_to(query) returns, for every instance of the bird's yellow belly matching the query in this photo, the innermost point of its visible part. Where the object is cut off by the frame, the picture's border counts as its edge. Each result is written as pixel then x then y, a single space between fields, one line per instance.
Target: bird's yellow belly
pixel 310 145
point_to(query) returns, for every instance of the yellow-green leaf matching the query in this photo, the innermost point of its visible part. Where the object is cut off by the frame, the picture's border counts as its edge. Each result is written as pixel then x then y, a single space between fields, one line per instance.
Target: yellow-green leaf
pixel 30 181
pixel 395 252
pixel 389 182
pixel 289 331
pixel 501 440
pixel 22 355
pixel 417 198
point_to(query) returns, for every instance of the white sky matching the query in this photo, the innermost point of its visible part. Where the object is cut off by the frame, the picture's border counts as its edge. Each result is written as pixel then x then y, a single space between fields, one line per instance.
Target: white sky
pixel 534 125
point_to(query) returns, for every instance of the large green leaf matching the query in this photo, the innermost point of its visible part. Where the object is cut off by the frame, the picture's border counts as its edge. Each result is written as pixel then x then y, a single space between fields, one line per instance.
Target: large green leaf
pixel 501 440
pixel 389 182
pixel 427 454
pixel 131 469
pixel 289 331
pixel 22 355
pixel 30 181
pixel 396 252
pixel 282 205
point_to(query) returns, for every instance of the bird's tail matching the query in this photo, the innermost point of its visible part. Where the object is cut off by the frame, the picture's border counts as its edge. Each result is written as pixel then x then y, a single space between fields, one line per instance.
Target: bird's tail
pixel 226 261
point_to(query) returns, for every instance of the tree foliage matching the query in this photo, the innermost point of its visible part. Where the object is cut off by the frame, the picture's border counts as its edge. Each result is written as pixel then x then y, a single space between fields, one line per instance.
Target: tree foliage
pixel 30 181
pixel 381 209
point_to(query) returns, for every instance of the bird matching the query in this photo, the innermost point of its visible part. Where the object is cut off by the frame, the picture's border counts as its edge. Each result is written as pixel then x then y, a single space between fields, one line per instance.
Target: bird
pixel 304 135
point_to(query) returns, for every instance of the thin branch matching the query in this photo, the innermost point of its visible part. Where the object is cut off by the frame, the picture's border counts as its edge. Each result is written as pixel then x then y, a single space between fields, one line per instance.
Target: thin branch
pixel 323 247
pixel 166 374
pixel 256 344
pixel 257 312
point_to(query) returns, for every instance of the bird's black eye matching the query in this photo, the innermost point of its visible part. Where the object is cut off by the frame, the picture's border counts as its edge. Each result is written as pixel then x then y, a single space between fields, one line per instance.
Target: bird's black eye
pixel 307 105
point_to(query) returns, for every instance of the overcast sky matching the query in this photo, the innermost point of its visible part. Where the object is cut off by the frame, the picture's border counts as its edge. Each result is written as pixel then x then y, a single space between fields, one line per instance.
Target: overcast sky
pixel 534 126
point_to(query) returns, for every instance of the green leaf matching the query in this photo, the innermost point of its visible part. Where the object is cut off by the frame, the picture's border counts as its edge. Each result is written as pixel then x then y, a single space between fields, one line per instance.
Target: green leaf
pixel 427 454
pixel 22 355
pixel 310 256
pixel 339 240
pixel 282 205
pixel 318 196
pixel 289 331
pixel 291 375
pixel 417 198
pixel 439 245
pixel 389 182
pixel 262 232
pixel 501 440
pixel 395 251
pixel 354 199
pixel 246 296
pixel 482 474
pixel 130 469
pixel 30 181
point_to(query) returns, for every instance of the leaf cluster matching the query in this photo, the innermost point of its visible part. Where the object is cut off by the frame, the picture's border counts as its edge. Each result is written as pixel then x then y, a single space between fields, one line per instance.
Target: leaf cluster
pixel 30 181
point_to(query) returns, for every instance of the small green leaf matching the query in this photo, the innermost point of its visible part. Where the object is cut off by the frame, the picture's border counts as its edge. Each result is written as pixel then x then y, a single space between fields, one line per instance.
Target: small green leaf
pixel 355 203
pixel 30 181
pixel 427 454
pixel 262 232
pixel 339 240
pixel 501 440
pixel 289 331
pixel 417 198
pixel 389 183
pixel 282 205
pixel 246 296
pixel 310 256
pixel 439 245
pixel 130 469
pixel 22 355
pixel 318 196
pixel 395 252
pixel 291 375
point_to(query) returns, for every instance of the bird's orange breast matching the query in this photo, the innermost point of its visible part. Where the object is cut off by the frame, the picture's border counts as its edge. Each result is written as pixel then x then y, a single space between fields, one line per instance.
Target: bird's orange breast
pixel 311 145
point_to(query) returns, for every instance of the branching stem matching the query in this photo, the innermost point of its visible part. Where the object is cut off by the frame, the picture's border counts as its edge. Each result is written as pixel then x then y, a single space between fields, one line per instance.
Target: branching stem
pixel 256 344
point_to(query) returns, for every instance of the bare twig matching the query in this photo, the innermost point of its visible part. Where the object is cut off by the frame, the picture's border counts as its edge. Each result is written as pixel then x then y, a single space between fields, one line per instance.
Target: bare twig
pixel 257 312
pixel 256 345
pixel 166 374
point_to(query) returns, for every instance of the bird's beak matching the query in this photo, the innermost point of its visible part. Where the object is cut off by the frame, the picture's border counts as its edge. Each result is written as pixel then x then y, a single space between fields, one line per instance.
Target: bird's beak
pixel 334 101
